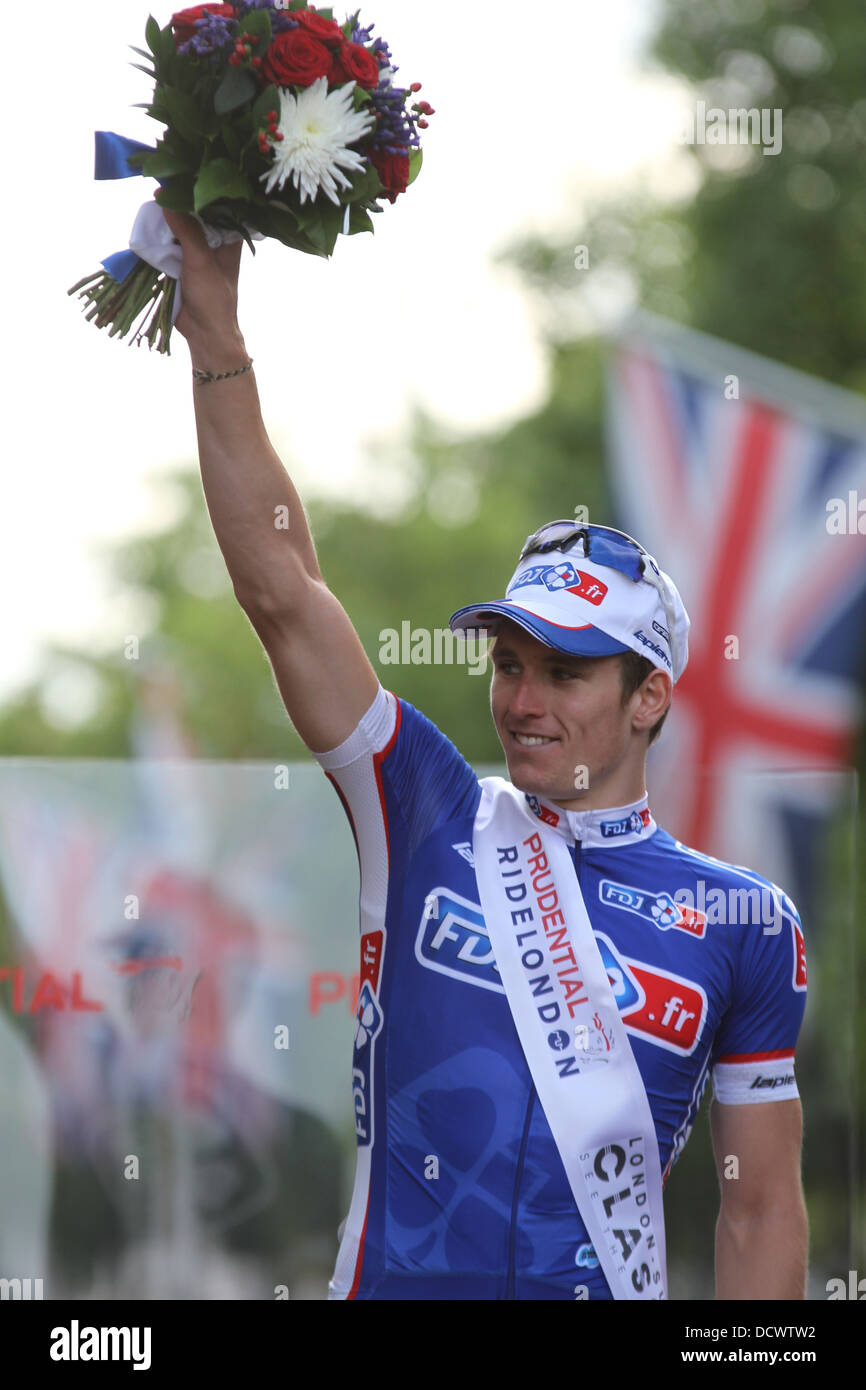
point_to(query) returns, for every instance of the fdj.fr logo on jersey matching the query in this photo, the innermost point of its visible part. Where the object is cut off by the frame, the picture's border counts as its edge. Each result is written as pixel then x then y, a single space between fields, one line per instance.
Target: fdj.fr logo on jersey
pixel 452 938
pixel 661 1007
pixel 563 576
pixel 368 1025
pixel 658 908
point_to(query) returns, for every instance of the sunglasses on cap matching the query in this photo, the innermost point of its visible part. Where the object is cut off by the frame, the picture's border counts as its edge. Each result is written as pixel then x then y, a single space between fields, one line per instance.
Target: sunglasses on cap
pixel 605 546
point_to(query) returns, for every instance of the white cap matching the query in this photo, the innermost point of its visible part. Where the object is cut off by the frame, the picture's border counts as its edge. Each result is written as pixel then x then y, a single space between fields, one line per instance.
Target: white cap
pixel 619 600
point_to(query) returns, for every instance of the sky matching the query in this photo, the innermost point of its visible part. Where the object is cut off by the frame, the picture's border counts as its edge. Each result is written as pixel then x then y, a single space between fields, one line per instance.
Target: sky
pixel 533 120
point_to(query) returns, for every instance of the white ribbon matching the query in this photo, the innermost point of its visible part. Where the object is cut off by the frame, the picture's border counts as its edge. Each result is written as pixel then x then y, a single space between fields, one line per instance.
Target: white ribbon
pixel 573 1038
pixel 153 240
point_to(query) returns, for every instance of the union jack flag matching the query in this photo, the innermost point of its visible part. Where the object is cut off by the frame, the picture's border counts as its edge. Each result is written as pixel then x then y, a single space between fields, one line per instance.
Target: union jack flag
pixel 747 482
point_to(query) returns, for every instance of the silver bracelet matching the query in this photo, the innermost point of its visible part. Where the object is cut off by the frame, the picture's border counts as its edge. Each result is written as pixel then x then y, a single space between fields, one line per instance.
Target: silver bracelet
pixel 199 375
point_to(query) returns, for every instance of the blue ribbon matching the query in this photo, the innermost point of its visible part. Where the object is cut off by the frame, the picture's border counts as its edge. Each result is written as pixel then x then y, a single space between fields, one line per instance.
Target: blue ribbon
pixel 112 152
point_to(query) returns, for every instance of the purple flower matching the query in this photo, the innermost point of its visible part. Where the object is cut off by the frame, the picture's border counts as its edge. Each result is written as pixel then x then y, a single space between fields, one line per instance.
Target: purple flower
pixel 212 34
pixel 280 19
pixel 395 129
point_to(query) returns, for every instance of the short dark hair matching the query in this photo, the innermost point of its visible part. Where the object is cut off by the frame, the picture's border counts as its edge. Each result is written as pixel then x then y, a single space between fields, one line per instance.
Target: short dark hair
pixel 634 669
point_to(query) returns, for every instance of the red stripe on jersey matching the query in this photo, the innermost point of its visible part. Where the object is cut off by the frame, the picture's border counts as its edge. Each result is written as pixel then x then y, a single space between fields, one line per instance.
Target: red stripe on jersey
pixel 344 803
pixel 378 759
pixel 357 1279
pixel 756 1056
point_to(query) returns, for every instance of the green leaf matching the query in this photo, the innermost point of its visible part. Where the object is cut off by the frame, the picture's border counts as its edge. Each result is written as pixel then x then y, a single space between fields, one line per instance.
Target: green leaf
pixel 164 162
pixel 233 140
pixel 142 52
pixel 323 232
pixel 156 112
pixel 219 179
pixel 151 36
pixel 137 158
pixel 141 68
pixel 275 222
pixel 191 120
pixel 365 183
pixel 178 195
pixel 416 157
pixel 257 22
pixel 360 97
pixel 167 46
pixel 236 87
pixel 327 14
pixel 359 221
pixel 269 100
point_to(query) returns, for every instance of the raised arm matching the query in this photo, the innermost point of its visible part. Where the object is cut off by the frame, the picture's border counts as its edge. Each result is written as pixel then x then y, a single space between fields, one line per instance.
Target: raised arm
pixel 322 671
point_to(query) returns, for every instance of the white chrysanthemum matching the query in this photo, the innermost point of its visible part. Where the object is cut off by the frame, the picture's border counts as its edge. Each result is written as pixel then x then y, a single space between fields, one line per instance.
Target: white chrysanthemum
pixel 317 126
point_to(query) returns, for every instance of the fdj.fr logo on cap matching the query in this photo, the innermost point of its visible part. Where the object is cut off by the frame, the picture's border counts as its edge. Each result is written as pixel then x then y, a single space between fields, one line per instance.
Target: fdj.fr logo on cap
pixel 563 576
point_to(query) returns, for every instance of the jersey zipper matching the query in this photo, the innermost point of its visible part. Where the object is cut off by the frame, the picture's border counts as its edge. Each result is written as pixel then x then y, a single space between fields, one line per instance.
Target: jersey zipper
pixel 518 1178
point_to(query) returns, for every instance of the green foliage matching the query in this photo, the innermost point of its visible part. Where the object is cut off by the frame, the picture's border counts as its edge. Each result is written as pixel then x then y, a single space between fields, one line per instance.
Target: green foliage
pixel 163 162
pixel 237 87
pixel 219 179
pixel 258 24
pixel 151 36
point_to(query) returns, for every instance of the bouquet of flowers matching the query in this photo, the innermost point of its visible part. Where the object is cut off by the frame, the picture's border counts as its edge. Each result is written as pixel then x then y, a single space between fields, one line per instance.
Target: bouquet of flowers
pixel 280 123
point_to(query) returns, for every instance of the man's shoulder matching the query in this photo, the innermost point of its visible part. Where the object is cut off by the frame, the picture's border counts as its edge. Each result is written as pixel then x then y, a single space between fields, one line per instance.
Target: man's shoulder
pixel 425 769
pixel 707 866
pixel 722 891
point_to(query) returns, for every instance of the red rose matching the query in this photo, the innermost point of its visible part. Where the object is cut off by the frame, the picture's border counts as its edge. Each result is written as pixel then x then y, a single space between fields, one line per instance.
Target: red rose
pixel 295 59
pixel 352 63
pixel 183 23
pixel 318 26
pixel 393 171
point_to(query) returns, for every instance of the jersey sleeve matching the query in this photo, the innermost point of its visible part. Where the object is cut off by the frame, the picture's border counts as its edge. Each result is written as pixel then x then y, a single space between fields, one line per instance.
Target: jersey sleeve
pixel 753 1052
pixel 398 777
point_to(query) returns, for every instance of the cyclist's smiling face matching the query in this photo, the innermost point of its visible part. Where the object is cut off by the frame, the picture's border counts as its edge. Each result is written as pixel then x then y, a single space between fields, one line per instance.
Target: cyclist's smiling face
pixel 556 714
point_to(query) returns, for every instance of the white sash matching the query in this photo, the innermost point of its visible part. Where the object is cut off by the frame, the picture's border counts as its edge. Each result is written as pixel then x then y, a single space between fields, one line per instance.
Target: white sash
pixel 573 1038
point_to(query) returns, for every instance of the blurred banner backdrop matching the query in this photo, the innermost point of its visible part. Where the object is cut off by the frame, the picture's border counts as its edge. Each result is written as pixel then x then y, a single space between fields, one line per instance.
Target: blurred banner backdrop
pixel 176 1028
pixel 741 477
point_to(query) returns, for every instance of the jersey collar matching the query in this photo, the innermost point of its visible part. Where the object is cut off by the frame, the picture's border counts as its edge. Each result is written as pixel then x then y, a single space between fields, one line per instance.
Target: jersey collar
pixel 610 828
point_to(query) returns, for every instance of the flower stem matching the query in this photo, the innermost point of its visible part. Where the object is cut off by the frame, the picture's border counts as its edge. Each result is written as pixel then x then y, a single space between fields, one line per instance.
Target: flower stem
pixel 146 295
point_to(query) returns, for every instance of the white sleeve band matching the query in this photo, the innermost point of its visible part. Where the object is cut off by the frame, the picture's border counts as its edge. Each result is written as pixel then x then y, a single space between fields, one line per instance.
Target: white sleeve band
pixel 747 1083
pixel 370 736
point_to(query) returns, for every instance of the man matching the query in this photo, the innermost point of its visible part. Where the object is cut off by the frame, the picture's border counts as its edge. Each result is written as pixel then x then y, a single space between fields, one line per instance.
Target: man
pixel 538 1013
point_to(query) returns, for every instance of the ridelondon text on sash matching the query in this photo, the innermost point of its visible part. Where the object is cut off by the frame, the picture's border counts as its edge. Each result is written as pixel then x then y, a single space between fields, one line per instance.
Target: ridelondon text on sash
pixel 543 938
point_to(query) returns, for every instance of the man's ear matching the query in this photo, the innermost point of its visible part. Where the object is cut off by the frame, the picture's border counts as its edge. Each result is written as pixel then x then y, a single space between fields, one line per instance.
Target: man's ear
pixel 653 698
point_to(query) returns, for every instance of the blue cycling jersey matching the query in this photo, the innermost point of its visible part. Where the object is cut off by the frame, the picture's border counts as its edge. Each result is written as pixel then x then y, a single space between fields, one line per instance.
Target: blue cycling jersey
pixel 460 1191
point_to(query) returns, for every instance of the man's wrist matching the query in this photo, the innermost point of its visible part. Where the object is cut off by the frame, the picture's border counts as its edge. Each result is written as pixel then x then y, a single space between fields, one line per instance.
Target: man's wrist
pixel 222 351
